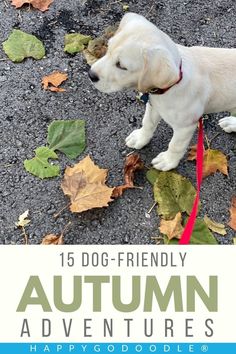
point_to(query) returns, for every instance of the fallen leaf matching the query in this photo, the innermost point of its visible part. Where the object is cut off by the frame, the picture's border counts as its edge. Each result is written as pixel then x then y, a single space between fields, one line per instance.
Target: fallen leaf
pixel 234 241
pixel 90 58
pixel 22 220
pixel 172 228
pixel 21 45
pixel 52 81
pixel 215 226
pixel 97 47
pixel 125 7
pixel 85 185
pixel 232 222
pixel 52 239
pixel 39 165
pixel 67 137
pixel 133 163
pixel 152 175
pixel 173 193
pixel 75 42
pixel 214 160
pixel 41 5
pixel 200 235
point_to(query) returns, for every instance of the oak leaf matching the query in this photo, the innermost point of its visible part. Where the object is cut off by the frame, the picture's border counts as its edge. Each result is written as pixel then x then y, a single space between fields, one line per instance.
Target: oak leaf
pixel 85 185
pixel 232 222
pixel 213 160
pixel 133 163
pixel 52 81
pixel 41 5
pixel 172 228
pixel 52 239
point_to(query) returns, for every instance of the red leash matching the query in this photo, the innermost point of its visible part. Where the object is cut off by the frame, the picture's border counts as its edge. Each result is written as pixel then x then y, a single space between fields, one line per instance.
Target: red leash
pixel 186 235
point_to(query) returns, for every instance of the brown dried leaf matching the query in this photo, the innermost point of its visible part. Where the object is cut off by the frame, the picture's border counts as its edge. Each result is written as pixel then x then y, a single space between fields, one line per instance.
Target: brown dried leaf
pixel 41 5
pixel 133 163
pixel 52 81
pixel 85 185
pixel 213 160
pixel 232 222
pixel 52 239
pixel 172 228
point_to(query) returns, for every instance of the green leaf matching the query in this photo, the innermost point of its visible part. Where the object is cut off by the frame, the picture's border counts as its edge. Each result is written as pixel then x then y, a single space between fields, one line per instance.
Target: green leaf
pixel 200 236
pixel 173 193
pixel 152 175
pixel 67 136
pixel 21 45
pixel 75 42
pixel 39 165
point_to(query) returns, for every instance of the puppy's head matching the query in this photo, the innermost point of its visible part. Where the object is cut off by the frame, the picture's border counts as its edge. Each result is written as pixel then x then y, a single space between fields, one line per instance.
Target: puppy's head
pixel 139 56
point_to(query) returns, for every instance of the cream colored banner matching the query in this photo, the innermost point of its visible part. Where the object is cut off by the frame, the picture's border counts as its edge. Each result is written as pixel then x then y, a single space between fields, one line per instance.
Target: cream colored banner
pixel 168 282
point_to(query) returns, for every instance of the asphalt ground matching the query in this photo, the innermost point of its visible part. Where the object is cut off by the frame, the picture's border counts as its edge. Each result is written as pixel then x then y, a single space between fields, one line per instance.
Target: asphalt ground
pixel 27 110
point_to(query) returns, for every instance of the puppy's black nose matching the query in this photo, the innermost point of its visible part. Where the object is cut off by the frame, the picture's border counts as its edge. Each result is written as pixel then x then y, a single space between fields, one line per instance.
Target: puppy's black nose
pixel 93 76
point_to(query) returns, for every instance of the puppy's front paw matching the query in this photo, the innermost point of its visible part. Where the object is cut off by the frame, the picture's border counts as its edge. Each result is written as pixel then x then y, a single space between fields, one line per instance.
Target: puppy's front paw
pixel 228 124
pixel 166 161
pixel 137 139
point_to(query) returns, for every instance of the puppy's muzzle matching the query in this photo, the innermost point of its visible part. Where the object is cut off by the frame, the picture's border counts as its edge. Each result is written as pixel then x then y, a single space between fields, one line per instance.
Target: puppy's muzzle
pixel 93 76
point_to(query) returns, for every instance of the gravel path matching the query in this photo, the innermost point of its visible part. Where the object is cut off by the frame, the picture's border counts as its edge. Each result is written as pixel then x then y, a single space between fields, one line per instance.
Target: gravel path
pixel 27 110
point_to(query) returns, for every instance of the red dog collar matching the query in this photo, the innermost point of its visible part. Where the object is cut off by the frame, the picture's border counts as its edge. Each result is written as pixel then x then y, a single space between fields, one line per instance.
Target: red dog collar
pixel 159 91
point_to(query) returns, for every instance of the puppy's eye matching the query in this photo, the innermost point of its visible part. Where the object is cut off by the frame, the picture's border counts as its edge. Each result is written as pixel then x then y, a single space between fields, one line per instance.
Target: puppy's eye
pixel 119 66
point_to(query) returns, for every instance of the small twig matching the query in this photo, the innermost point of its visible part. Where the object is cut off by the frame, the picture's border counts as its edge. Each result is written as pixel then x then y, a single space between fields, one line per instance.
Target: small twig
pixel 66 227
pixel 3 59
pixel 207 141
pixel 152 207
pixel 138 187
pixel 130 153
pixel 19 16
pixel 157 238
pixel 150 10
pixel 6 4
pixel 60 211
pixel 215 136
pixel 25 235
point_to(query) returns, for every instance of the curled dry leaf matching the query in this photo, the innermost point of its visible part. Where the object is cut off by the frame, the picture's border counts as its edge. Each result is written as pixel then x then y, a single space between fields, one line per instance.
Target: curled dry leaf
pixel 85 185
pixel 133 163
pixel 214 160
pixel 41 5
pixel 52 81
pixel 215 226
pixel 52 239
pixel 232 222
pixel 97 47
pixel 22 220
pixel 172 228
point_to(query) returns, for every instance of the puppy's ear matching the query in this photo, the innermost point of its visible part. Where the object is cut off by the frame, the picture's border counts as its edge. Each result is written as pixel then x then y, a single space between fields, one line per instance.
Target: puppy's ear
pixel 159 70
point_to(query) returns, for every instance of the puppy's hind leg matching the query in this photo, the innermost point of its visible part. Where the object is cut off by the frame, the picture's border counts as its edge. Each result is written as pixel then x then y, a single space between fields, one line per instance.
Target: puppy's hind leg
pixel 169 159
pixel 141 137
pixel 228 124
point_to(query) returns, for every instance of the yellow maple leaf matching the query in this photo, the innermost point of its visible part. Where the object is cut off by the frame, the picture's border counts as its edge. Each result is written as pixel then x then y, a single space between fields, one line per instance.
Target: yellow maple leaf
pixel 172 228
pixel 85 185
pixel 214 160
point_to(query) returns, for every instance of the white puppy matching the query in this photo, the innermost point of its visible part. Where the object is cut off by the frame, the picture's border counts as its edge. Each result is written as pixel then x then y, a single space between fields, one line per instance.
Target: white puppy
pixel 186 82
